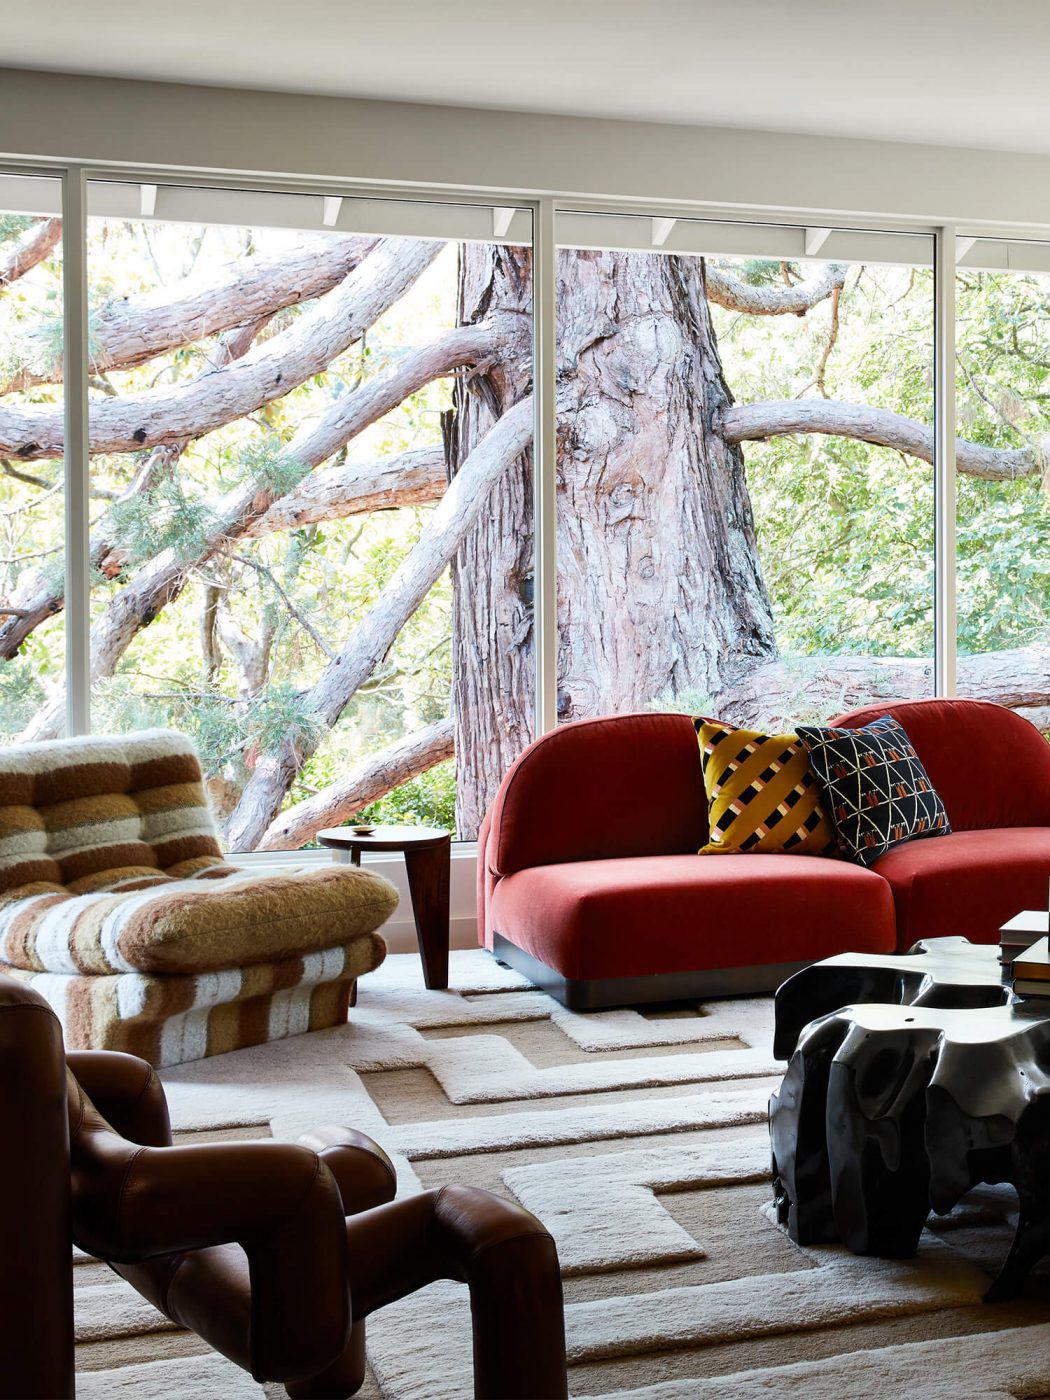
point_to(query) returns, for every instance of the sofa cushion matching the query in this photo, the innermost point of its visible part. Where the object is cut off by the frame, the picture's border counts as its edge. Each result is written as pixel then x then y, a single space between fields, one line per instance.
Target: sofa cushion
pixel 968 883
pixel 761 793
pixel 877 791
pixel 680 913
pixel 990 765
pixel 196 925
pixel 81 814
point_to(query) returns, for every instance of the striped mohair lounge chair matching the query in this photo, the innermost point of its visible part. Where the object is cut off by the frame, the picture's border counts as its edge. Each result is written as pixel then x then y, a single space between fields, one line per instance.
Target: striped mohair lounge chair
pixel 117 905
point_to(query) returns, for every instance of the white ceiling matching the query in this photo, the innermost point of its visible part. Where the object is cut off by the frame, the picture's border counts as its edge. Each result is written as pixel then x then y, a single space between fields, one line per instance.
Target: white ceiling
pixel 953 72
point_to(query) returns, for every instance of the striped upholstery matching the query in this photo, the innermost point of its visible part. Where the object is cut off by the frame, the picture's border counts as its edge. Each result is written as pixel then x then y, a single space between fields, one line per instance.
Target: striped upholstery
pixel 117 905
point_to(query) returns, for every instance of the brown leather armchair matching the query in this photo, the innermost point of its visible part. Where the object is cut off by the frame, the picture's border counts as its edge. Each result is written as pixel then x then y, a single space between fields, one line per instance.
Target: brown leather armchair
pixel 274 1253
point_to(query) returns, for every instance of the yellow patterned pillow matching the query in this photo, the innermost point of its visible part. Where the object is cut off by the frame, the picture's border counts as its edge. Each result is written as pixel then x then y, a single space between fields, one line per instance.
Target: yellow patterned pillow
pixel 761 793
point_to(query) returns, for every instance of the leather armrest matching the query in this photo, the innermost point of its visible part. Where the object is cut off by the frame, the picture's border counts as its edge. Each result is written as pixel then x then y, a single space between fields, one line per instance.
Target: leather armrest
pixel 363 1172
pixel 278 1201
pixel 126 1091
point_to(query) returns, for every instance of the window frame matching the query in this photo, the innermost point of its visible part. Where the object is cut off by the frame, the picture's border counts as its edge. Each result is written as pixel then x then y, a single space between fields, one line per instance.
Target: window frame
pixel 949 241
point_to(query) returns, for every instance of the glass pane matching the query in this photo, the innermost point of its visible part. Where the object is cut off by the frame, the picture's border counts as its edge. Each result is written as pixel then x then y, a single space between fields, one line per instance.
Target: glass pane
pixel 745 498
pixel 32 515
pixel 314 500
pixel 1002 515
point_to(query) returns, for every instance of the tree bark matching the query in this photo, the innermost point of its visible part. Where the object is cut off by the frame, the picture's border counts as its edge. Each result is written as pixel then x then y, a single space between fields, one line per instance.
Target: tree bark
pixel 163 579
pixel 413 478
pixel 735 295
pixel 374 635
pixel 751 422
pixel 26 252
pixel 268 372
pixel 372 779
pixel 659 586
pixel 129 330
pixel 810 689
pixel 493 666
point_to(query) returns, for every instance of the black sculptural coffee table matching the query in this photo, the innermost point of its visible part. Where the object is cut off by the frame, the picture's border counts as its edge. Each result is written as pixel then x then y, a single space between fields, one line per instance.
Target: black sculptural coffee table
pixel 925 1080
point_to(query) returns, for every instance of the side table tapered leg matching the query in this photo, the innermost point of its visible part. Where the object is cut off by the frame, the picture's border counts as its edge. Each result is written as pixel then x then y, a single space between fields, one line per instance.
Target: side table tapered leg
pixel 429 877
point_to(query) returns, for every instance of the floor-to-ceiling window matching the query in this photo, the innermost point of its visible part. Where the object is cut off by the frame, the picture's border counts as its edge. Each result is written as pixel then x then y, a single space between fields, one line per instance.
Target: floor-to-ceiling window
pixel 1002 512
pixel 299 409
pixel 311 485
pixel 745 483
pixel 32 504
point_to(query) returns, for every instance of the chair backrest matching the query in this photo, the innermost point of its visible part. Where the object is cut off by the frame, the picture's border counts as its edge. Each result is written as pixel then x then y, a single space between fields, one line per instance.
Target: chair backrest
pixel 36 1270
pixel 89 813
pixel 990 765
pixel 625 785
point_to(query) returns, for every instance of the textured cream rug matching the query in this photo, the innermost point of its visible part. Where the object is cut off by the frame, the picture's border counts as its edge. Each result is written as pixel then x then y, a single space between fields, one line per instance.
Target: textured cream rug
pixel 639 1139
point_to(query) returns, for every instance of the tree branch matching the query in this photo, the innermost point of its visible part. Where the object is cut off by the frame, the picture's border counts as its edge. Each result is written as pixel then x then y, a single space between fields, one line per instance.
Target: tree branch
pixel 753 422
pixel 139 602
pixel 216 397
pixel 413 478
pixel 129 330
pixel 32 248
pixel 810 688
pixel 735 295
pixel 372 779
pixel 374 635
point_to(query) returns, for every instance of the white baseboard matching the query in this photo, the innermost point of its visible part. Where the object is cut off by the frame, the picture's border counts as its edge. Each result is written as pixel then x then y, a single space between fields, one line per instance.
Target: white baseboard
pixel 400 934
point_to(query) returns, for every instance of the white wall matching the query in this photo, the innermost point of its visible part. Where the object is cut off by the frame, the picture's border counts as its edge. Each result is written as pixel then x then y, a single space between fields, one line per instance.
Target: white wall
pixel 62 117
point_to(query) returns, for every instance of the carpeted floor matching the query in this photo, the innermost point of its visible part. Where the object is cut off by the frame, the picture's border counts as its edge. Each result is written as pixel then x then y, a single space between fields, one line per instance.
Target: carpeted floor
pixel 640 1141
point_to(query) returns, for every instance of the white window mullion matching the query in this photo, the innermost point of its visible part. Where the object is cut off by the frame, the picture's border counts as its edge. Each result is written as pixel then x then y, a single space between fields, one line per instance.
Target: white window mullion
pixel 545 592
pixel 944 461
pixel 75 375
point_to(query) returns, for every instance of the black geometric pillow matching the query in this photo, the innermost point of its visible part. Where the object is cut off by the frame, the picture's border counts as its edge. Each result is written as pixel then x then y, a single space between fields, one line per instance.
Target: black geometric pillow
pixel 878 794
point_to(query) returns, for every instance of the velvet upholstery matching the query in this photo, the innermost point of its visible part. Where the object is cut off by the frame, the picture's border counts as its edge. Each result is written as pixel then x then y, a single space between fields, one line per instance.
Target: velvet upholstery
pixel 990 765
pixel 967 884
pixel 641 915
pixel 586 858
pixel 597 789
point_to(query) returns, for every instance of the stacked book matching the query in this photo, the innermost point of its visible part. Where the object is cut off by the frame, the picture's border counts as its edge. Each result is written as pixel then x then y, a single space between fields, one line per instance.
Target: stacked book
pixel 1017 936
pixel 1031 971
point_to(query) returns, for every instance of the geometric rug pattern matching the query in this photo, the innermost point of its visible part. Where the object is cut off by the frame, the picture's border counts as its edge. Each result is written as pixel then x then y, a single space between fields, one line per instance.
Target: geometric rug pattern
pixel 639 1140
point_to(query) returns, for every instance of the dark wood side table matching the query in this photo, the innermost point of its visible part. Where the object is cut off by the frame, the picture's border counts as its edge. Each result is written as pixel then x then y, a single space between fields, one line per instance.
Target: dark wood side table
pixel 428 861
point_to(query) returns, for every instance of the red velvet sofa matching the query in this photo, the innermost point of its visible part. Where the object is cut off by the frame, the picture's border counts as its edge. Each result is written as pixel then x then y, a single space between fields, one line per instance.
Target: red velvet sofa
pixel 589 880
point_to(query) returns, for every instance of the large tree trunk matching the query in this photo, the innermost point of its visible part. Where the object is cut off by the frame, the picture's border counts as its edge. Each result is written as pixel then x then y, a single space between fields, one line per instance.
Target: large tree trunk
pixel 659 586
pixel 492 575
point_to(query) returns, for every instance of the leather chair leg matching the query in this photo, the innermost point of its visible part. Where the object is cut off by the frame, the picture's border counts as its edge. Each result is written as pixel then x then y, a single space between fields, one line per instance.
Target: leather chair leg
pixel 343 1378
pixel 501 1252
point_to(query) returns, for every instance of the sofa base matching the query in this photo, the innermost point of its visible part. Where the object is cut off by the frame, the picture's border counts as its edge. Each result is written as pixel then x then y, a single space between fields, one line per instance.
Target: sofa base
pixel 599 993
pixel 171 1020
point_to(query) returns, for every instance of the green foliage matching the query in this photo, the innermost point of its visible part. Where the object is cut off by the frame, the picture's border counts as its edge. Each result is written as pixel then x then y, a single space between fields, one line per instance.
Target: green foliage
pixel 14 225
pixel 756 272
pixel 21 694
pixel 271 467
pixel 278 714
pixel 429 800
pixel 169 517
pixel 844 529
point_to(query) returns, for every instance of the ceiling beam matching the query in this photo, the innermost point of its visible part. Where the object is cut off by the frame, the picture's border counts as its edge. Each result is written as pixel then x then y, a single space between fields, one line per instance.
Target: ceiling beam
pixel 662 231
pixel 332 204
pixel 147 201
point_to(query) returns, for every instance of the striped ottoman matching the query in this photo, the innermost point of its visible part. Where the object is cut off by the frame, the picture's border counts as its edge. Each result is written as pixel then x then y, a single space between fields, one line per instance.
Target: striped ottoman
pixel 117 905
